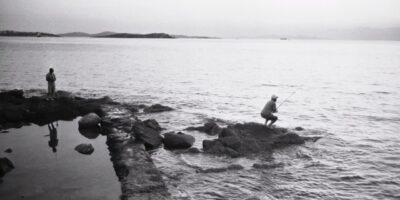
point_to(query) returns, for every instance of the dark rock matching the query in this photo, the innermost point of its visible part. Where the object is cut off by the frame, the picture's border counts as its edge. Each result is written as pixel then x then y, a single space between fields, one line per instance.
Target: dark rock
pixel 152 123
pixel 157 108
pixel 299 128
pixel 193 150
pixel 89 121
pixel 178 140
pixel 267 165
pixel 150 137
pixel 4 131
pixel 217 147
pixel 85 149
pixel 5 166
pixel 211 128
pixel 9 150
pixel 250 138
pixel 90 133
pixel 132 107
pixel 19 94
pixel 235 167
pixel 288 139
pixel 312 139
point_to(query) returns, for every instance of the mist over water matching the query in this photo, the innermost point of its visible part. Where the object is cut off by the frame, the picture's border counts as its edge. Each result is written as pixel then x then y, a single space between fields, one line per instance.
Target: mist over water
pixel 345 91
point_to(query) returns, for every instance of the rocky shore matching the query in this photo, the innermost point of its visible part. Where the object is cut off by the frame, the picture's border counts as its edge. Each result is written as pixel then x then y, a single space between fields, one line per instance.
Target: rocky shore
pixel 129 138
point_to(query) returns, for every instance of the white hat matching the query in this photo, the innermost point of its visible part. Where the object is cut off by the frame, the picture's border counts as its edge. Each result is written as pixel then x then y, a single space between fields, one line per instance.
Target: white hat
pixel 274 96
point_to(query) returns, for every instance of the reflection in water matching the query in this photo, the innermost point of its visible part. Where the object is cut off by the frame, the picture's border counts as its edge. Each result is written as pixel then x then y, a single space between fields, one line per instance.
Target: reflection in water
pixel 53 142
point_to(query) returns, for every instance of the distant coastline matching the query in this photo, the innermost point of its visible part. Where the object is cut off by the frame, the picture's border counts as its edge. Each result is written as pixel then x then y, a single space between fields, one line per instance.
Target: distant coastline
pixel 106 34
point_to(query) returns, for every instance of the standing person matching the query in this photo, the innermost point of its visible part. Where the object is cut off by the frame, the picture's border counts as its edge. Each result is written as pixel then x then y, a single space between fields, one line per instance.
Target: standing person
pixel 51 84
pixel 268 109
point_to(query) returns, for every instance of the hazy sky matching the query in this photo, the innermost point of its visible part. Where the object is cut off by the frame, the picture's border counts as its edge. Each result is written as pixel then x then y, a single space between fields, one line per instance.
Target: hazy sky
pixel 229 18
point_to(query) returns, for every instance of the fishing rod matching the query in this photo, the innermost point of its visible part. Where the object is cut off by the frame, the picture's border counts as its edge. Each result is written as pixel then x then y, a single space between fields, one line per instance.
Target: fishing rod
pixel 287 98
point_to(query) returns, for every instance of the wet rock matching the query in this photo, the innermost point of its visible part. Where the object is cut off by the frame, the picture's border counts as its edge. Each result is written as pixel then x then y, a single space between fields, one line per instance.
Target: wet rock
pixel 312 139
pixel 150 137
pixel 299 128
pixel 85 149
pixel 89 121
pixel 193 150
pixel 152 123
pixel 156 108
pixel 248 139
pixel 288 139
pixel 178 140
pixel 90 133
pixel 211 128
pixel 131 107
pixel 217 147
pixel 9 150
pixel 5 166
pixel 235 167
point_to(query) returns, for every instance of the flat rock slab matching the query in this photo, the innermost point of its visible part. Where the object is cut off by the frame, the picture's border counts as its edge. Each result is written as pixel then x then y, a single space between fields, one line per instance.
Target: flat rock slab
pixel 139 177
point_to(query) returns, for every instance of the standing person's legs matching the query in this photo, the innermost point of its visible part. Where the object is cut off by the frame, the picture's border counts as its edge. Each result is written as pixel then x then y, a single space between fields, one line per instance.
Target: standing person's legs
pixel 52 90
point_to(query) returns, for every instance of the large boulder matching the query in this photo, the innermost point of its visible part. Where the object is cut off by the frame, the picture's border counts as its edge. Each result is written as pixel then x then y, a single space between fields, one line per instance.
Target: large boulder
pixel 178 140
pixel 89 121
pixel 156 108
pixel 150 137
pixel 5 166
pixel 84 149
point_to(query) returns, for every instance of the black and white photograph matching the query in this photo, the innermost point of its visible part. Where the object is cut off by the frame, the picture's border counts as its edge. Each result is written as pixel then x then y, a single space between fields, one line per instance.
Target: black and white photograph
pixel 200 100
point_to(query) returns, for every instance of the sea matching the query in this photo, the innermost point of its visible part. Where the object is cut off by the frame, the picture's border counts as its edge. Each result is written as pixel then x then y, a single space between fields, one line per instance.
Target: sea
pixel 345 91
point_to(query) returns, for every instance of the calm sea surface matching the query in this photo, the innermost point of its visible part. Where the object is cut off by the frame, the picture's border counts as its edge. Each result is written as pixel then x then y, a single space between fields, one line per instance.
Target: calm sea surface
pixel 347 92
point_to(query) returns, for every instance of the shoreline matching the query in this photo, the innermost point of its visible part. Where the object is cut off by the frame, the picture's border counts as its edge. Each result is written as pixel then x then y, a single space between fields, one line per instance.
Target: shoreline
pixel 129 138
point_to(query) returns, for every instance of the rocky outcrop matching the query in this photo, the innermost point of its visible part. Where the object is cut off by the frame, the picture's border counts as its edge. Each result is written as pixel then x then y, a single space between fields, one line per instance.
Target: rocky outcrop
pixel 249 139
pixel 178 140
pixel 156 108
pixel 5 166
pixel 17 110
pixel 84 149
pixel 90 120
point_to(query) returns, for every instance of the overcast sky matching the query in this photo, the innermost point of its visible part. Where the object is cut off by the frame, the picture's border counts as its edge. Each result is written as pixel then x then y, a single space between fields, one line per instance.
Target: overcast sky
pixel 224 18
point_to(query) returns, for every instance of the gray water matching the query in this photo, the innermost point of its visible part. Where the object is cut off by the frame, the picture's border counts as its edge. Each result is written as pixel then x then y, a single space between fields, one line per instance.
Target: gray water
pixel 345 91
pixel 42 172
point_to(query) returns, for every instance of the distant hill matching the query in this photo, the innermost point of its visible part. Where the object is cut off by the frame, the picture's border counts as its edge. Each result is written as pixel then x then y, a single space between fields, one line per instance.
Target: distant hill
pixel 26 34
pixel 103 34
pixel 130 35
pixel 75 34
pixel 194 37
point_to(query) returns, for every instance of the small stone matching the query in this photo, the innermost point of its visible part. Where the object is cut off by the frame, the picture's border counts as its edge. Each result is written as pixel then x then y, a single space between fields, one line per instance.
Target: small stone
pixel 9 150
pixel 5 166
pixel 299 128
pixel 85 149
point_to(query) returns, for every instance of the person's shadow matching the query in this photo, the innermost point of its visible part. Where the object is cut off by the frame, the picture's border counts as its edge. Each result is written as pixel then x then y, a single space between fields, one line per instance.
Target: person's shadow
pixel 53 142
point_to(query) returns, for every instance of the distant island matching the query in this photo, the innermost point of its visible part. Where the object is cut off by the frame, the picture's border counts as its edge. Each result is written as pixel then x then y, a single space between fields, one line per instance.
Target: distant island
pixel 26 34
pixel 105 34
